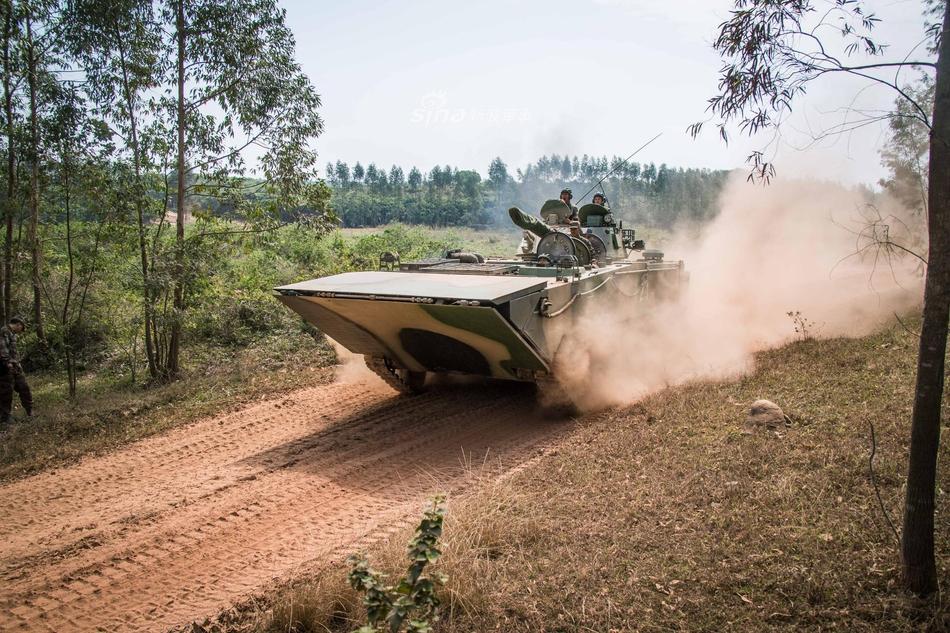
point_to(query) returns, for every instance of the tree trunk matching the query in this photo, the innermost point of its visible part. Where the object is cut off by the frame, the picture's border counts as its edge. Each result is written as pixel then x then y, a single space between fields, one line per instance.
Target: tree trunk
pixel 67 323
pixel 148 302
pixel 10 209
pixel 917 546
pixel 178 307
pixel 32 228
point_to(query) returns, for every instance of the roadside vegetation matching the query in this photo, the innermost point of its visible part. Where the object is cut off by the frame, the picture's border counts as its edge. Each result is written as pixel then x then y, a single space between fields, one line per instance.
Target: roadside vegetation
pixel 664 515
pixel 243 344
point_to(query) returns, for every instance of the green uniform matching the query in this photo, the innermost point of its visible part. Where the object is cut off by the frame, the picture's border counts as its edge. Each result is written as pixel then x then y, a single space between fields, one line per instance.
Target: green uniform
pixel 11 376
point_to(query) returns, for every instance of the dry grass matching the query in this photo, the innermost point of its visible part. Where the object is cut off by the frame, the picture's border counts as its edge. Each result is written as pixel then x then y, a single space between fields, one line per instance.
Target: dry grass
pixel 479 529
pixel 317 604
pixel 664 517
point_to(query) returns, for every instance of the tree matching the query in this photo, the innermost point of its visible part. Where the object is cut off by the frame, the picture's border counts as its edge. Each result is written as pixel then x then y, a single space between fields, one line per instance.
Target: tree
pixel 36 49
pixel 396 176
pixel 11 24
pixel 342 173
pixel 773 50
pixel 372 177
pixel 498 173
pixel 234 77
pixel 118 44
pixel 500 184
pixel 905 154
pixel 187 86
pixel 414 180
pixel 81 166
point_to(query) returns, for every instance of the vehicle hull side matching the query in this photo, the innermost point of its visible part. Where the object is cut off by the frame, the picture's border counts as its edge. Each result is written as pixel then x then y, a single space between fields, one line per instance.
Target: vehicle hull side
pixel 439 338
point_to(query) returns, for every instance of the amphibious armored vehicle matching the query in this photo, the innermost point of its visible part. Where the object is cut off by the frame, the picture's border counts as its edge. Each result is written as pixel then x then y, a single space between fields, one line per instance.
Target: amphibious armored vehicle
pixel 503 318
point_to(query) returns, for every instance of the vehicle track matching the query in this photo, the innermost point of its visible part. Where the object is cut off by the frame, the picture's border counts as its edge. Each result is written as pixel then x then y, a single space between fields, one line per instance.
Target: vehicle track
pixel 177 527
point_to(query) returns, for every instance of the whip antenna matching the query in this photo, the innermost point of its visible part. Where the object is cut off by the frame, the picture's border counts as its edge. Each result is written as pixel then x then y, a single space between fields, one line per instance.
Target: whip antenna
pixel 622 163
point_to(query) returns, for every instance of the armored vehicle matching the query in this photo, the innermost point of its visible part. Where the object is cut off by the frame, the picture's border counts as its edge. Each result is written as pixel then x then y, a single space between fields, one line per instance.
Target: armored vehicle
pixel 504 318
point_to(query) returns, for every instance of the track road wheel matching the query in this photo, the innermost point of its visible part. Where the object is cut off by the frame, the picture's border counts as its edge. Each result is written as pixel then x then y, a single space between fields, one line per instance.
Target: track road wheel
pixel 414 380
pixel 402 380
pixel 553 399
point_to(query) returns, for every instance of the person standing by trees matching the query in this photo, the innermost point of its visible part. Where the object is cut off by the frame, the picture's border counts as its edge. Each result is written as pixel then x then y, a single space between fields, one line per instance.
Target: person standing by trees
pixel 11 372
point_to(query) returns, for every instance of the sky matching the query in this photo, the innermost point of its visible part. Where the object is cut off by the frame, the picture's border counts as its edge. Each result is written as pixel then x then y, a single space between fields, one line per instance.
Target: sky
pixel 424 83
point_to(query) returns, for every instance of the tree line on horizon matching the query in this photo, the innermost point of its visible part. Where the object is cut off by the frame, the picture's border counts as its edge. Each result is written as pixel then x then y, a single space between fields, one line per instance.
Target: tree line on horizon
pixel 660 196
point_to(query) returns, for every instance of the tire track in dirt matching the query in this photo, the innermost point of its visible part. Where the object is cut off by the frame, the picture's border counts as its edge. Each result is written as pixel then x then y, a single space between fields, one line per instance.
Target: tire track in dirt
pixel 179 526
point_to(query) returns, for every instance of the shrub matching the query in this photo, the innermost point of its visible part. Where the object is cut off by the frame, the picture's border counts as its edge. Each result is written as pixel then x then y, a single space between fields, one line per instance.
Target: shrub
pixel 411 601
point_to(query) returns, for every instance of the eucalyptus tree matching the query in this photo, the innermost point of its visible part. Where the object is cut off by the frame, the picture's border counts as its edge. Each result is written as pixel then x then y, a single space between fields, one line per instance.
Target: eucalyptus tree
pixel 397 177
pixel 906 151
pixel 200 94
pixel 29 51
pixel 41 39
pixel 118 44
pixel 235 85
pixel 773 50
pixel 79 175
pixel 342 174
pixel 414 179
pixel 11 77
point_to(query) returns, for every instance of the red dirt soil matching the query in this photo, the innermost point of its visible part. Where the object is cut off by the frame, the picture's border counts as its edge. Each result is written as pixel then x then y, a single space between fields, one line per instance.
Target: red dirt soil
pixel 179 526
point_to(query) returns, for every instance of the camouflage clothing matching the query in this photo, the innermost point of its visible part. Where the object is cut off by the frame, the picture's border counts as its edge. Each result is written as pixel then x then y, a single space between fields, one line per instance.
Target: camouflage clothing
pixel 8 351
pixel 11 376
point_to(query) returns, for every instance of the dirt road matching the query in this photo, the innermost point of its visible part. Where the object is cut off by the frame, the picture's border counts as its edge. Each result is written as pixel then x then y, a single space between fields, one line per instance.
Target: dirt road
pixel 176 527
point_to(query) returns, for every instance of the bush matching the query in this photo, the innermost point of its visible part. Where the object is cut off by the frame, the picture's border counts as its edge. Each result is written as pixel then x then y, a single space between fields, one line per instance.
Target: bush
pixel 411 601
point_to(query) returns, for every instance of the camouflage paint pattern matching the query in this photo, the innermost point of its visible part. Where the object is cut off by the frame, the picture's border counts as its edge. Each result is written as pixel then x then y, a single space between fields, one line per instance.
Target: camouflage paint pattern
pixel 387 328
pixel 513 340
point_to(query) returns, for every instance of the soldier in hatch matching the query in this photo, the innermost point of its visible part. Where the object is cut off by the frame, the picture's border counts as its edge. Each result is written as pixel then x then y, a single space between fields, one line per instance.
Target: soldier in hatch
pixel 601 199
pixel 566 196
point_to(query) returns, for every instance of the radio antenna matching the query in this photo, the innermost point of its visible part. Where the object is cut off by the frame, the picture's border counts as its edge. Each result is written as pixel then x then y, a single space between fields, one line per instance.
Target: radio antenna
pixel 622 163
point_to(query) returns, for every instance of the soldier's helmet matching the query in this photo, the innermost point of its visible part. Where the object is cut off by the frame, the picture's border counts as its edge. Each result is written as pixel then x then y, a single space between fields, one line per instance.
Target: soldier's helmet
pixel 17 320
pixel 602 196
pixel 568 192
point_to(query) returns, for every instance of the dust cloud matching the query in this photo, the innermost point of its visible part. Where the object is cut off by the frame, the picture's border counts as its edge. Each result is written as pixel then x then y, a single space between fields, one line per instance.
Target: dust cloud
pixel 351 369
pixel 790 247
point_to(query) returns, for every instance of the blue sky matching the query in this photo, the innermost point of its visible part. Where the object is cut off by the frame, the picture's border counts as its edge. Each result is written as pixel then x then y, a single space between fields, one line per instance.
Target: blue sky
pixel 425 82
